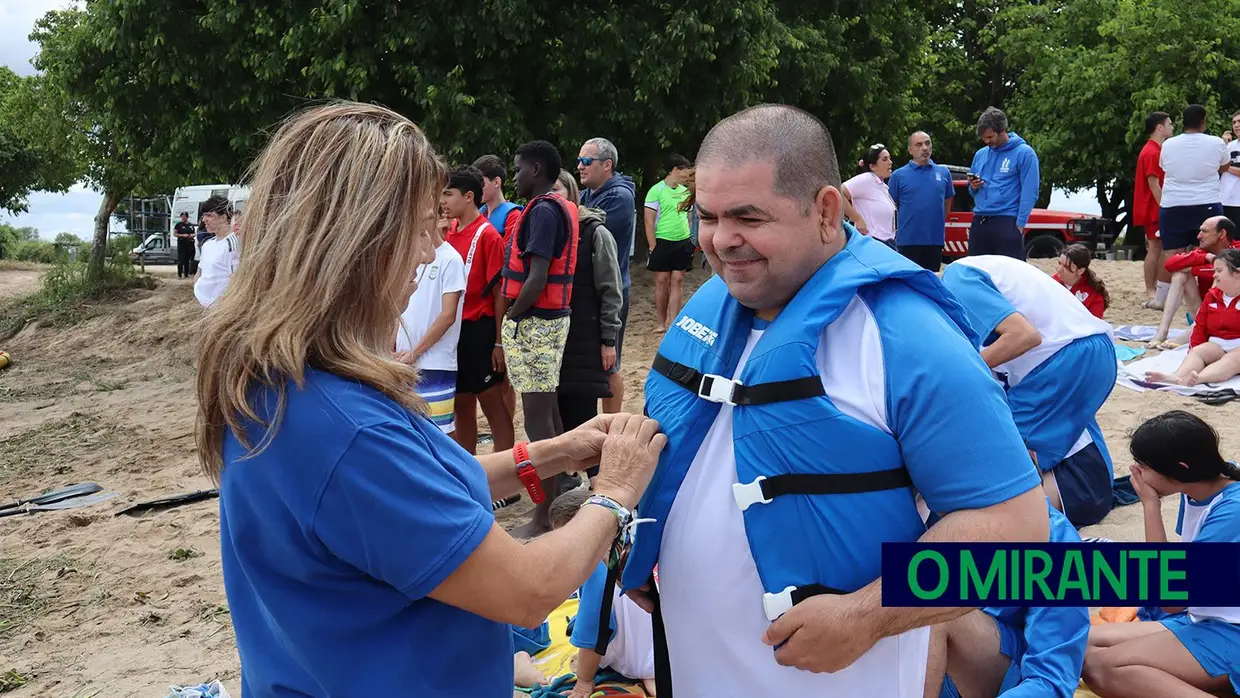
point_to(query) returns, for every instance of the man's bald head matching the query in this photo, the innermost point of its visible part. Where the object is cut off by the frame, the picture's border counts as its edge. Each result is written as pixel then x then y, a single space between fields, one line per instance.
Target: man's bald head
pixel 916 135
pixel 794 140
pixel 919 147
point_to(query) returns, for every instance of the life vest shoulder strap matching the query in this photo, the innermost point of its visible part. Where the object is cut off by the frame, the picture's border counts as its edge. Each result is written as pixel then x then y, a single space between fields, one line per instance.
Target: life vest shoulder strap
pixel 725 390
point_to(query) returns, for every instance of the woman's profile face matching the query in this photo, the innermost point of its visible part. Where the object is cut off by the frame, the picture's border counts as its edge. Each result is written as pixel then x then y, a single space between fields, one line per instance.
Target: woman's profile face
pixel 559 188
pixel 1068 272
pixel 423 253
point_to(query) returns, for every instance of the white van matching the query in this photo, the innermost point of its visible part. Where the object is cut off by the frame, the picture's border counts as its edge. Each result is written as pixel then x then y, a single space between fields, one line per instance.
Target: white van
pixel 161 248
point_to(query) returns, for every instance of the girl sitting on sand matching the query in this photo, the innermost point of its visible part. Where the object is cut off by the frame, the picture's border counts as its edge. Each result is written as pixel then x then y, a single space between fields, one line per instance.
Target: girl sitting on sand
pixel 1216 332
pixel 1196 653
pixel 1074 273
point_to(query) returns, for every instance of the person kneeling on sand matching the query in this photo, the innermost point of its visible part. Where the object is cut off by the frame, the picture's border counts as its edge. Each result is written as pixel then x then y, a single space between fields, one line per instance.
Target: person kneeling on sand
pixel 626 646
pixel 1192 653
pixel 1212 357
pixel 1216 234
pixel 1057 363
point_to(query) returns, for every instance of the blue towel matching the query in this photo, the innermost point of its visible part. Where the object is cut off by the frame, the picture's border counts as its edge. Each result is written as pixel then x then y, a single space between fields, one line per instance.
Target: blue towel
pixel 1122 492
pixel 1123 352
pixel 531 641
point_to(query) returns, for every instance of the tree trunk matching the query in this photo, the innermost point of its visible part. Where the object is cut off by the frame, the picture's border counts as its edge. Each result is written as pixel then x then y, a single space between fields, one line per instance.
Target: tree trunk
pixel 99 248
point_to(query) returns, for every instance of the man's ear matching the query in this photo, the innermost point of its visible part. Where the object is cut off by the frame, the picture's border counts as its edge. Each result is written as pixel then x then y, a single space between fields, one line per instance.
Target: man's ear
pixel 829 205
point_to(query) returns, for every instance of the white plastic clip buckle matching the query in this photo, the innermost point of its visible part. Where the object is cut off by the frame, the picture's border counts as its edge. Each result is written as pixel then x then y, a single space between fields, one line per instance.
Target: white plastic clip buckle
pixel 776 605
pixel 718 389
pixel 747 495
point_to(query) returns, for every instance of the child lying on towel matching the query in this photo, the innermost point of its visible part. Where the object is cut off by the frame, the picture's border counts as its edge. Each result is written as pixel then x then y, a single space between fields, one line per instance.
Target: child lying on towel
pixel 627 647
pixel 1193 653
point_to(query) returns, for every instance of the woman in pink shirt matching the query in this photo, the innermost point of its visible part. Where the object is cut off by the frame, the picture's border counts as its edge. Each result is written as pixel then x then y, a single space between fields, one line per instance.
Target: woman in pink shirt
pixel 866 200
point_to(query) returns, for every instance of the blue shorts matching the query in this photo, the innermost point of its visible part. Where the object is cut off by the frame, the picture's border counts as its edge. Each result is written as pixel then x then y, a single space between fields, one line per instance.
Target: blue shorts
pixel 1011 645
pixel 1178 225
pixel 1214 644
pixel 438 388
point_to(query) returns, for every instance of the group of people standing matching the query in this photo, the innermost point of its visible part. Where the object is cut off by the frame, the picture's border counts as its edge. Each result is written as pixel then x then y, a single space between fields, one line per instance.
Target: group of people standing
pixel 907 208
pixel 533 299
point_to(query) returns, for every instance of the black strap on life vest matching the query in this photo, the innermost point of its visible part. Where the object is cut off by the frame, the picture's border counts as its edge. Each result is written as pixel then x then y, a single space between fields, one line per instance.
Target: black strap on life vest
pixel 760 394
pixel 662 660
pixel 604 611
pixel 807 591
pixel 835 483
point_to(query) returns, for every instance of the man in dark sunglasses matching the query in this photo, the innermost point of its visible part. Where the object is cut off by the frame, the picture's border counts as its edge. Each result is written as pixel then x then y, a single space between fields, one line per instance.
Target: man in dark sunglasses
pixel 605 189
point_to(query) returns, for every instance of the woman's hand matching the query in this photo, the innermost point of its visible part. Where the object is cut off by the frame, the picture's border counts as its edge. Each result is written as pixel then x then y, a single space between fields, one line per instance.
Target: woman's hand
pixel 630 454
pixel 1147 494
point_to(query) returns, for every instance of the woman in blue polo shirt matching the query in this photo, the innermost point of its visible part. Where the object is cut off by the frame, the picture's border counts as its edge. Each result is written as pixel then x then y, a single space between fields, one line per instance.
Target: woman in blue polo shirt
pixel 922 191
pixel 359 550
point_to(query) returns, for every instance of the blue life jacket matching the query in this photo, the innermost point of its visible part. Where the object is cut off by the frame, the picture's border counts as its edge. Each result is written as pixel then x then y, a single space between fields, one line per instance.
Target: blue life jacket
pixel 500 215
pixel 797 456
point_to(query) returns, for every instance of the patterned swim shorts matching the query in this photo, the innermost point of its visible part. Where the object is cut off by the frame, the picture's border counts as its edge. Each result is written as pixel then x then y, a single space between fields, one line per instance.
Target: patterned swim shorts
pixel 533 349
pixel 438 388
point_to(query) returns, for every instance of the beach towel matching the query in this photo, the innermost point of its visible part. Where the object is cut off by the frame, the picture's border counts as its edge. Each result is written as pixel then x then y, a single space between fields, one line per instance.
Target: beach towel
pixel 1132 376
pixel 1144 333
pixel 557 661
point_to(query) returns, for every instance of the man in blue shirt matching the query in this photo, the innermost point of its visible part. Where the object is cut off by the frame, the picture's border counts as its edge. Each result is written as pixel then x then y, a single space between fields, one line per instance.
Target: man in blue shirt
pixel 1004 179
pixel 922 191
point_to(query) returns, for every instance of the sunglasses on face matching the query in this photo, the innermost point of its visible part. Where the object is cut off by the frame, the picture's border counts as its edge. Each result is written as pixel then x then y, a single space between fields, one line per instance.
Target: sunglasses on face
pixel 586 161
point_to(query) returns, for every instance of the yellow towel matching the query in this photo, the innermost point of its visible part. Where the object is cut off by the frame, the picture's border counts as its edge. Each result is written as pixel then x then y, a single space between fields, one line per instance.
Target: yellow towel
pixel 557 659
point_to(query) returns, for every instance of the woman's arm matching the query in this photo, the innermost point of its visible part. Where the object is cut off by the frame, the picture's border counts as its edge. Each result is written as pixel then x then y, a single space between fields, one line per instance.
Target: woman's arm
pixel 1016 337
pixel 852 213
pixel 508 582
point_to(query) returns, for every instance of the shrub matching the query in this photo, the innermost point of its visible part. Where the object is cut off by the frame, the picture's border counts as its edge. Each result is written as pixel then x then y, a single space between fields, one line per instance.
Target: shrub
pixel 67 288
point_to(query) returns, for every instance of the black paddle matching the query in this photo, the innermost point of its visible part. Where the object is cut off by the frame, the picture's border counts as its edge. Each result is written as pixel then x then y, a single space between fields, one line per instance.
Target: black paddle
pixel 169 502
pixel 78 490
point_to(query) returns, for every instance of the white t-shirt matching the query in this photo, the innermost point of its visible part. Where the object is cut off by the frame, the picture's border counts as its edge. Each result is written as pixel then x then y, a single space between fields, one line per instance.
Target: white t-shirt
pixel 1191 161
pixel 1192 515
pixel 435 280
pixel 872 200
pixel 1229 184
pixel 1052 309
pixel 219 260
pixel 710 591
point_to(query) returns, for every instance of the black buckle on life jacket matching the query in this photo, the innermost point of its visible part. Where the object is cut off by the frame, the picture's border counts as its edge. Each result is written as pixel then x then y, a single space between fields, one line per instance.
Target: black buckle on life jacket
pixel 763 489
pixel 776 605
pixel 716 388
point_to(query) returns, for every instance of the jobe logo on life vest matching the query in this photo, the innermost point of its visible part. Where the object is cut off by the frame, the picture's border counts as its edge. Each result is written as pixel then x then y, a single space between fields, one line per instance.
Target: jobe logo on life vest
pixel 697 330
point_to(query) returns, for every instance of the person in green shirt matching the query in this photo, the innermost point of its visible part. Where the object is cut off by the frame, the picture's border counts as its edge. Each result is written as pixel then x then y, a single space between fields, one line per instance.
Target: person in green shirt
pixel 667 234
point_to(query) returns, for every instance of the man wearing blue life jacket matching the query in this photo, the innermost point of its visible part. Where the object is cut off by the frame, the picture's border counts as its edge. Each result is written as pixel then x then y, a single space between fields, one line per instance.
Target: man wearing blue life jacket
pixel 1016 652
pixel 807 391
pixel 1004 180
pixel 1057 363
pixel 604 188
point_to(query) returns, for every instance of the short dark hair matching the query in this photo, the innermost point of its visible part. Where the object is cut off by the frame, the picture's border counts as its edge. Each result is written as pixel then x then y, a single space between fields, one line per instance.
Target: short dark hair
pixel 1155 120
pixel 219 205
pixel 1228 227
pixel 566 506
pixel 491 166
pixel 1194 116
pixel 676 160
pixel 184 214
pixel 1180 446
pixel 993 119
pixel 546 156
pixel 467 180
pixel 796 141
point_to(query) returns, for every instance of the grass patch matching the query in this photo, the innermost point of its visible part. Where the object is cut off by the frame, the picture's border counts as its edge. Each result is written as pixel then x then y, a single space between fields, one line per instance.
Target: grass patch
pixel 21 598
pixel 207 612
pixel 19 265
pixel 53 444
pixel 110 386
pixel 183 554
pixel 68 294
pixel 11 680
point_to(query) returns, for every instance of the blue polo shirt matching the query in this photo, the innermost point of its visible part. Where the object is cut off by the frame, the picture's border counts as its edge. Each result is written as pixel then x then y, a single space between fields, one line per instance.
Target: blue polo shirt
pixel 919 192
pixel 332 539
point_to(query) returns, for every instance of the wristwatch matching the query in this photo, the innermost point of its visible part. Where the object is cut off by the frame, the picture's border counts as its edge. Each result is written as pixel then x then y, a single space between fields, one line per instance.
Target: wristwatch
pixel 527 473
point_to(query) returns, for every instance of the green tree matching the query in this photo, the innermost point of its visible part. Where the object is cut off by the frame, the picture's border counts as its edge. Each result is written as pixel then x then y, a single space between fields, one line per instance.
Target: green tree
pixel 1097 68
pixel 27 162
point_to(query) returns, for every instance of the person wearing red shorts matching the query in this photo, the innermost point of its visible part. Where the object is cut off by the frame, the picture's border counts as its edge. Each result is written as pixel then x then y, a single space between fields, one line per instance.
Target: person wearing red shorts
pixel 1216 234
pixel 1147 196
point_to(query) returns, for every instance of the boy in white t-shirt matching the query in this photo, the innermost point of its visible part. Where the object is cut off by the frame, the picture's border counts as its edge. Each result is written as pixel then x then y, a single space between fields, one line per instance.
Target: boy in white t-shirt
pixel 429 329
pixel 220 254
pixel 1193 162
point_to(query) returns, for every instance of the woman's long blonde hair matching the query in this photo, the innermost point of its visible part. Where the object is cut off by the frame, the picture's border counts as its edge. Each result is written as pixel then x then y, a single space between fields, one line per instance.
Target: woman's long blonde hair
pixel 341 204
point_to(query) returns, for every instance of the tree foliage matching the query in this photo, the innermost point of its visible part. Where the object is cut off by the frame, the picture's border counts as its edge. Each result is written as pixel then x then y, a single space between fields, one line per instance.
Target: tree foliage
pixel 28 162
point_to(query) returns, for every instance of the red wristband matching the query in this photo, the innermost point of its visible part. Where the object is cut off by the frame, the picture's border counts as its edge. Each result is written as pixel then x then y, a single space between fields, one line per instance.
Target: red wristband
pixel 527 473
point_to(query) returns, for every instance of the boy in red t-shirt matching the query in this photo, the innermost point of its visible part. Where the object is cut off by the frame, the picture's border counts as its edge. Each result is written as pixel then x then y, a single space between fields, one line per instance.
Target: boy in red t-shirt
pixel 1216 234
pixel 1147 196
pixel 480 356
